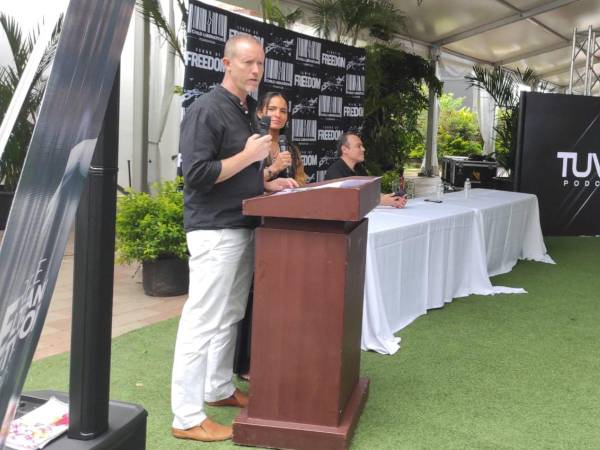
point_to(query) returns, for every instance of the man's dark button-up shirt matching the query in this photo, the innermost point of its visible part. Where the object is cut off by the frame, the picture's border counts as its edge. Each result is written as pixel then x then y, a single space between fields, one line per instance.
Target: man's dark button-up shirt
pixel 216 127
pixel 340 169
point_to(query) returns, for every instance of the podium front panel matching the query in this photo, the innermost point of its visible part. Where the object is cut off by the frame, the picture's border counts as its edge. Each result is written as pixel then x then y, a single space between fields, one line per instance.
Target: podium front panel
pixel 307 321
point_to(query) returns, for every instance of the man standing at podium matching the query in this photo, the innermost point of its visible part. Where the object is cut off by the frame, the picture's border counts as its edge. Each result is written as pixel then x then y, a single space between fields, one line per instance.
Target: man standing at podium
pixel 221 166
pixel 352 153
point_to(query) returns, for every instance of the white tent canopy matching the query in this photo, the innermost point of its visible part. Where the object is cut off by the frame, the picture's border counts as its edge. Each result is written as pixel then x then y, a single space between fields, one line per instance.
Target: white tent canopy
pixel 511 33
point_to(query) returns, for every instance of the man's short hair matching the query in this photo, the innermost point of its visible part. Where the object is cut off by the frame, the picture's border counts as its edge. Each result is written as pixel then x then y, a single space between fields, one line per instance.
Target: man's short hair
pixel 231 44
pixel 343 140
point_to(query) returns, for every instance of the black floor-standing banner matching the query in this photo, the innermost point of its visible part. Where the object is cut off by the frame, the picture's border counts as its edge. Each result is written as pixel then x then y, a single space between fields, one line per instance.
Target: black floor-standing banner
pixel 53 177
pixel 559 160
pixel 324 81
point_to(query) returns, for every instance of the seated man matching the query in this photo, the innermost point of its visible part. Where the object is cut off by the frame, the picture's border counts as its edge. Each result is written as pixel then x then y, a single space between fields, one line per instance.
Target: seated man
pixel 352 152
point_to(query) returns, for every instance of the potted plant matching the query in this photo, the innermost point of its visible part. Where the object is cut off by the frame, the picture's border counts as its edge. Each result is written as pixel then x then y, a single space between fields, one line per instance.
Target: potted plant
pixel 149 231
pixel 13 156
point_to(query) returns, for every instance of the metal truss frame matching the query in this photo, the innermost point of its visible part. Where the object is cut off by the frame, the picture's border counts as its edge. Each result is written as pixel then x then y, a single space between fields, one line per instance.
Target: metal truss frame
pixel 584 77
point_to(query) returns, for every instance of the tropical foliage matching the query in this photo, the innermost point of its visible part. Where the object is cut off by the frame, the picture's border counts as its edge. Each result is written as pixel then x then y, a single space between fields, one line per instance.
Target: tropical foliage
pixel 153 14
pixel 273 13
pixel 458 130
pixel 151 227
pixel 21 47
pixel 504 88
pixel 344 20
pixel 394 99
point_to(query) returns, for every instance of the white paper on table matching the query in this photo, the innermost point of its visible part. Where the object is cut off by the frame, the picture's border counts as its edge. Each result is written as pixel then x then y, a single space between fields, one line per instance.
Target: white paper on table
pixel 342 184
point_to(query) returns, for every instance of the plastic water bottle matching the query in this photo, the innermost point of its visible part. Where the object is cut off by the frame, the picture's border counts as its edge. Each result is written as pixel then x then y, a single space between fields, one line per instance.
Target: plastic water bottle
pixel 467 188
pixel 439 192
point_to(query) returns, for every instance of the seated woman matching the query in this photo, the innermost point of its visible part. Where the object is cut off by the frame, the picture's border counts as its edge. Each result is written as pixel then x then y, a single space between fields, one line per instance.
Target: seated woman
pixel 275 105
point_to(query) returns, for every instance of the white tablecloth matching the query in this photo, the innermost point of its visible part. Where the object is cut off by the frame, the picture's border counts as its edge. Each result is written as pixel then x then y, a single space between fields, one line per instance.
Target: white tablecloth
pixel 425 255
pixel 510 223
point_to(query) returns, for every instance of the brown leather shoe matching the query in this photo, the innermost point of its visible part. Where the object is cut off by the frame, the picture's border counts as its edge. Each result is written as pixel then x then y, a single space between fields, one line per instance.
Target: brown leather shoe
pixel 207 431
pixel 238 399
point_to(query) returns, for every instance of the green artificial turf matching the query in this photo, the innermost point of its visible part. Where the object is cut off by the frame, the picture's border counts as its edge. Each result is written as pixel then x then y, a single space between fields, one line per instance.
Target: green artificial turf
pixel 497 372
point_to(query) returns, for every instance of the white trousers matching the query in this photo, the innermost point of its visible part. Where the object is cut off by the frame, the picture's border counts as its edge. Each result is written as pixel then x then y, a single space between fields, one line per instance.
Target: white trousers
pixel 221 267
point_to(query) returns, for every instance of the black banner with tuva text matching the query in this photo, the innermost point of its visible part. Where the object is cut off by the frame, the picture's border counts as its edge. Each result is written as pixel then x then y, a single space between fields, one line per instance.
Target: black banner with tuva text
pixel 558 160
pixel 324 81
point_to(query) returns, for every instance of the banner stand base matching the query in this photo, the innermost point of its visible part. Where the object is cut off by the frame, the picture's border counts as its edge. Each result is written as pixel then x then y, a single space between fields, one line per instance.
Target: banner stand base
pixel 126 425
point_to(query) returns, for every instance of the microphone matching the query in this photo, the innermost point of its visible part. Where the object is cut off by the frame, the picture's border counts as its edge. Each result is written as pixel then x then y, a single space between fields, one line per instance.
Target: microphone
pixel 263 129
pixel 263 125
pixel 283 147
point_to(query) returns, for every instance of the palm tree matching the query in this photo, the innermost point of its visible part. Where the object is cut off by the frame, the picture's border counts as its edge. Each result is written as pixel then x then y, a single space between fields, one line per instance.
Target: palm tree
pixel 344 20
pixel 272 13
pixel 21 47
pixel 153 14
pixel 503 86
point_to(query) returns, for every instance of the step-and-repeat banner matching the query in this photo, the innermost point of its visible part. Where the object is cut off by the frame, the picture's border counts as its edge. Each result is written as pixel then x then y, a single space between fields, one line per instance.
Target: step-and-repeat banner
pixel 559 160
pixel 324 81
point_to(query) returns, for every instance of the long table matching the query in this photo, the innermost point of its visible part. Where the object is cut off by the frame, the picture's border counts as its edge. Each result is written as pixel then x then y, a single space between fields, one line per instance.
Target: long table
pixel 426 254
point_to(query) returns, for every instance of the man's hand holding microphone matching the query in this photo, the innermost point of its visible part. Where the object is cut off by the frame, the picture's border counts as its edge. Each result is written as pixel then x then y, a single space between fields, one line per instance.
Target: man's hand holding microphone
pixel 257 147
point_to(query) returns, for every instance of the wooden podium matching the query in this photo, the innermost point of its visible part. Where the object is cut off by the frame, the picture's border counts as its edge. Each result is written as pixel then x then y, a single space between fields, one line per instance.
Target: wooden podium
pixel 305 390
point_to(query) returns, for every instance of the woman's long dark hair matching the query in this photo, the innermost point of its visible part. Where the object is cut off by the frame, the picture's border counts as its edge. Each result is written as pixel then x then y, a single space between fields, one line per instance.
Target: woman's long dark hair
pixel 297 166
pixel 264 103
